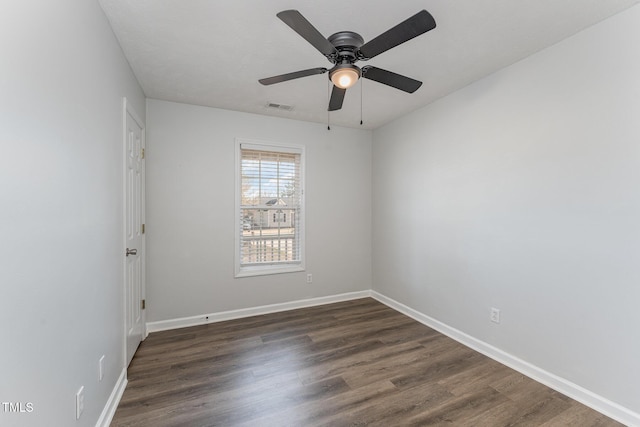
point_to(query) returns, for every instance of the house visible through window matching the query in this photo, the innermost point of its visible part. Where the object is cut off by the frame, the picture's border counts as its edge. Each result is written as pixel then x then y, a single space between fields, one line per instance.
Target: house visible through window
pixel 270 209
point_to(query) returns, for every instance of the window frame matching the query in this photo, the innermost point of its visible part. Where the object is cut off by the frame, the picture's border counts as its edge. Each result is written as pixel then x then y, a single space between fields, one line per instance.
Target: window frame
pixel 267 269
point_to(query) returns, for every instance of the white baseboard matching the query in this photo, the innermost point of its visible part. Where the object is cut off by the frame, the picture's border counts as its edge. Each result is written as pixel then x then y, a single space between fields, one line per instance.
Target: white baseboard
pixel 574 391
pixel 204 319
pixel 112 404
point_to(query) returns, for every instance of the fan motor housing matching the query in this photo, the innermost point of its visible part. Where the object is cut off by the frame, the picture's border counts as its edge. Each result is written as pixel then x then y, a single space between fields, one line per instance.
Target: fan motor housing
pixel 346 43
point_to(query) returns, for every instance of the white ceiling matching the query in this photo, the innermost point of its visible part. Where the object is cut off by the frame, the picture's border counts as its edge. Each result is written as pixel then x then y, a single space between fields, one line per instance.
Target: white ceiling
pixel 212 52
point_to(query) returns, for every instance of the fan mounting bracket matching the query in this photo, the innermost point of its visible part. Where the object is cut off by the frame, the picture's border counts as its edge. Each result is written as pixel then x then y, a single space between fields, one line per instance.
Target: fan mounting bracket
pixel 346 39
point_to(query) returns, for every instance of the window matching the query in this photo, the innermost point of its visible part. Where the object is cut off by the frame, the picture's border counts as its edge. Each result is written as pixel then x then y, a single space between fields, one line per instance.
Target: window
pixel 269 209
pixel 280 216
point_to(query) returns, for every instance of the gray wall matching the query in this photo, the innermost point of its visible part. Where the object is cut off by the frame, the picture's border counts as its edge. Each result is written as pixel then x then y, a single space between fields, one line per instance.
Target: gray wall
pixel 522 192
pixel 190 205
pixel 61 265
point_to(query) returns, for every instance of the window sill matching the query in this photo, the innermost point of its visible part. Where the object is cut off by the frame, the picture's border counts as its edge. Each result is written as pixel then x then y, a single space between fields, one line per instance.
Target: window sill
pixel 264 271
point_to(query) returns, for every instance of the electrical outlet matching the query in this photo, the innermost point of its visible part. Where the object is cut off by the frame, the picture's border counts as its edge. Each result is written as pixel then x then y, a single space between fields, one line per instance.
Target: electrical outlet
pixel 79 402
pixel 495 315
pixel 101 368
pixel 309 278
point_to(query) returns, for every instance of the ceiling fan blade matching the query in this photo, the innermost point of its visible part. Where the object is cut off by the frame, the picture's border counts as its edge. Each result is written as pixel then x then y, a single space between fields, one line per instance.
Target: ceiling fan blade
pixel 418 24
pixel 389 78
pixel 291 76
pixel 300 25
pixel 337 96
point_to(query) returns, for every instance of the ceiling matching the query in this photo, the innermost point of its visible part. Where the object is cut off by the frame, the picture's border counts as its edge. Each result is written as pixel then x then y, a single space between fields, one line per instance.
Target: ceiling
pixel 212 52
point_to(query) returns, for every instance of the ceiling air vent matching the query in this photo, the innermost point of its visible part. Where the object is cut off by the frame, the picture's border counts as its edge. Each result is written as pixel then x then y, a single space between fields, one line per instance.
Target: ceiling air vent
pixel 279 106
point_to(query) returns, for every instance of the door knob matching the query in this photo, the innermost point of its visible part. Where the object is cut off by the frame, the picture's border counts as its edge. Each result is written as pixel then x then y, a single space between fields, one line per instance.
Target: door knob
pixel 132 252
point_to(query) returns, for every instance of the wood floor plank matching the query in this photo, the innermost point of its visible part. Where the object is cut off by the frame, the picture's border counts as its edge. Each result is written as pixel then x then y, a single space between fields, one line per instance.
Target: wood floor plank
pixel 578 416
pixel 323 412
pixel 357 363
pixel 346 364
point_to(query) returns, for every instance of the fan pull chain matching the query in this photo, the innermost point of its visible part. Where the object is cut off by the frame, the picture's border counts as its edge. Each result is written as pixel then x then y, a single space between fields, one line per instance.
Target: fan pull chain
pixel 328 100
pixel 361 90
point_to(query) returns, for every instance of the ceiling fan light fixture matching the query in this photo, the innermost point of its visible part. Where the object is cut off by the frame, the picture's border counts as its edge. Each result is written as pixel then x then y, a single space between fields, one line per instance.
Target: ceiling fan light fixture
pixel 344 75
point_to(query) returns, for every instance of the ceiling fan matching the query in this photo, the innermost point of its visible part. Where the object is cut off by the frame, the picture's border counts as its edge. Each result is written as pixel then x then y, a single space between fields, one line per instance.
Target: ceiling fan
pixel 345 48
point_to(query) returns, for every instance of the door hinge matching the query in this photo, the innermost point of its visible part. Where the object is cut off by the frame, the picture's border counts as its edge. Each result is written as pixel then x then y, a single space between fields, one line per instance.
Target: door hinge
pixel 142 154
pixel 142 229
pixel 143 304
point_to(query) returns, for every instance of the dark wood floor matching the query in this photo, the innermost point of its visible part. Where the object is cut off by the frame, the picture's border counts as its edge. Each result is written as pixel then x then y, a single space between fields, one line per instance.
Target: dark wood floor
pixel 346 364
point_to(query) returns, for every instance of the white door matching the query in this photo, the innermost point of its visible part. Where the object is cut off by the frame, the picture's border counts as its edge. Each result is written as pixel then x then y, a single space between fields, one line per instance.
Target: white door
pixel 134 220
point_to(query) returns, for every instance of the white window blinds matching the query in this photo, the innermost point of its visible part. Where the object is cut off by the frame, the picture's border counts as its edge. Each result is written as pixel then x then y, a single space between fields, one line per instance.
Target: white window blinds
pixel 270 206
